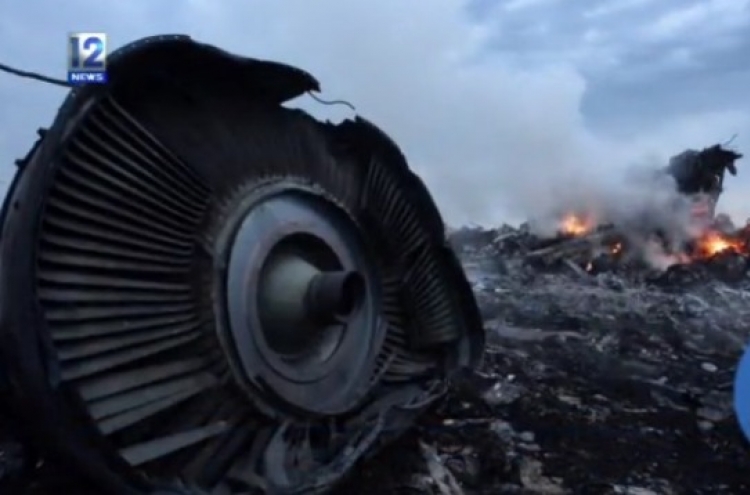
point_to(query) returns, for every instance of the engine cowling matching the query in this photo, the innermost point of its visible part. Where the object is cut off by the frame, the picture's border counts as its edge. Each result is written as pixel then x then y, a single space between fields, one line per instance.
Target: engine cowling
pixel 203 288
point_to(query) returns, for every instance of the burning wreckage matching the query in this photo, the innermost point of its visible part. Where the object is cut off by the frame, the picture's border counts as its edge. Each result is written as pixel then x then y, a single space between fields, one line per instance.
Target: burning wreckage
pixel 704 241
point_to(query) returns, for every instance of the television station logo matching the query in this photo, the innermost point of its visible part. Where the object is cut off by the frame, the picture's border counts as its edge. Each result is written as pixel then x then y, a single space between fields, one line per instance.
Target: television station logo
pixel 87 58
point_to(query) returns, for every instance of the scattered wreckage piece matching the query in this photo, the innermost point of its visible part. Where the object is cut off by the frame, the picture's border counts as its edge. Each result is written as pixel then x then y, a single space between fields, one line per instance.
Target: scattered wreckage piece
pixel 703 172
pixel 728 266
pixel 598 252
pixel 582 249
pixel 204 290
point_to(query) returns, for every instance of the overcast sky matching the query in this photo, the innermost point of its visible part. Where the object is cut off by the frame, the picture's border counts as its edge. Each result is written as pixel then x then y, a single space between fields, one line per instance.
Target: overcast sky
pixel 501 105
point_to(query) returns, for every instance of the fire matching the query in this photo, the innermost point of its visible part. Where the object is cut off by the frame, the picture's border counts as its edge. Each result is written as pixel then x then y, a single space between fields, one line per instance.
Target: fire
pixel 608 245
pixel 576 225
pixel 712 243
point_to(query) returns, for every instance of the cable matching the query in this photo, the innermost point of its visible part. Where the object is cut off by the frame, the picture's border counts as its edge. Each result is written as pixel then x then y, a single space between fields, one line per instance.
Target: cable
pixel 331 102
pixel 34 75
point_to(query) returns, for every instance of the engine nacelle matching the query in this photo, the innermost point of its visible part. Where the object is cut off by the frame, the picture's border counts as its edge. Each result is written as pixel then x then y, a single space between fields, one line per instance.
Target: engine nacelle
pixel 203 288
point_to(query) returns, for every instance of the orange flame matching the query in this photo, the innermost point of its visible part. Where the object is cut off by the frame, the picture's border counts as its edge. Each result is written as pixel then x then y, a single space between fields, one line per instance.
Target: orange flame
pixel 712 243
pixel 575 225
pixel 709 243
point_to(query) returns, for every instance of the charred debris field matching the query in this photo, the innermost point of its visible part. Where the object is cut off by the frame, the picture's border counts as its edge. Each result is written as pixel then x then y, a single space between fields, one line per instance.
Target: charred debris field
pixel 603 375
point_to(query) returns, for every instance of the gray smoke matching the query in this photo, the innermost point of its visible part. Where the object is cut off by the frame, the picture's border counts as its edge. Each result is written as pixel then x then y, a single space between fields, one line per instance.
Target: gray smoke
pixel 639 201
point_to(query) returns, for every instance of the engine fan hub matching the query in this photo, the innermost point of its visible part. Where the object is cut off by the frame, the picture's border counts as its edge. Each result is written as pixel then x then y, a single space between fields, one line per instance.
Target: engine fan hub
pixel 202 284
pixel 297 279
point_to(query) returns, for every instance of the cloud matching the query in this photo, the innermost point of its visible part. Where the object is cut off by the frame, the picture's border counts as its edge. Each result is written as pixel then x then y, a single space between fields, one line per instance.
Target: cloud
pixel 614 7
pixel 706 19
pixel 512 5
pixel 492 114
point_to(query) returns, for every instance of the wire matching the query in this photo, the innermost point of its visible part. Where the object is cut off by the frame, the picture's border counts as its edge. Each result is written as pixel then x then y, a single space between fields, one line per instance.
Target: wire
pixel 731 140
pixel 331 102
pixel 34 75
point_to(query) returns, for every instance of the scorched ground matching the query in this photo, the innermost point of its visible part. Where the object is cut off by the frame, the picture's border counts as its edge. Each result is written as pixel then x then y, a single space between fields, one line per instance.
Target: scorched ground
pixel 616 382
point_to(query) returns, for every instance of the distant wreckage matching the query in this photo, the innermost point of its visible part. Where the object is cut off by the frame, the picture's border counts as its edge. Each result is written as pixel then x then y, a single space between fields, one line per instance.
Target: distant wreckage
pixel 206 292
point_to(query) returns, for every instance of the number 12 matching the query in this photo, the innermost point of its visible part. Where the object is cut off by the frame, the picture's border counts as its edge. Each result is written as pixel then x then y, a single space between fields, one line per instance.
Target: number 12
pixel 91 61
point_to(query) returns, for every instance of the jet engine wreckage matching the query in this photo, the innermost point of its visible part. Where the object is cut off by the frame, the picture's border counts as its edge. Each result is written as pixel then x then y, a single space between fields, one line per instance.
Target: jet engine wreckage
pixel 206 291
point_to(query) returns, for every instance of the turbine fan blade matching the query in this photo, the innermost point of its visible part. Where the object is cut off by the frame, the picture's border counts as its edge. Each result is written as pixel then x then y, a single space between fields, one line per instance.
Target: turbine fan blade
pixel 203 285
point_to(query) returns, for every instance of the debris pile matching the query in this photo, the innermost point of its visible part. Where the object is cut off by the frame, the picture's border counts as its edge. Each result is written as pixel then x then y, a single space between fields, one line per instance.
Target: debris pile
pixel 595 382
pixel 681 235
pixel 716 248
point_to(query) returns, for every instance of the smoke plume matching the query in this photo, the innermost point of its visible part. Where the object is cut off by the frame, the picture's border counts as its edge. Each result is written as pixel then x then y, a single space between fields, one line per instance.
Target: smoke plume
pixel 639 201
